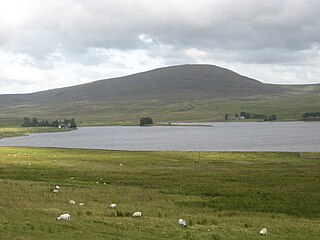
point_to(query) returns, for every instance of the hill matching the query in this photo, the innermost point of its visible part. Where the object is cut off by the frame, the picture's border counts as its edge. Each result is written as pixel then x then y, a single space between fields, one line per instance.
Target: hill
pixel 177 93
pixel 177 82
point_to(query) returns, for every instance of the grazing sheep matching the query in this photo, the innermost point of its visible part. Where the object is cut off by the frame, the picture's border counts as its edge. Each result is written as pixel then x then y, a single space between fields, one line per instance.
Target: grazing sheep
pixel 113 206
pixel 137 214
pixel 182 222
pixel 55 189
pixel 81 204
pixel 72 202
pixel 63 217
pixel 264 232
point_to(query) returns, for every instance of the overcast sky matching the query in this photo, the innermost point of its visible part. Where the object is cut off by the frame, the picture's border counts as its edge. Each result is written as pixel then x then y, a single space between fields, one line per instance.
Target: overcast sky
pixel 47 44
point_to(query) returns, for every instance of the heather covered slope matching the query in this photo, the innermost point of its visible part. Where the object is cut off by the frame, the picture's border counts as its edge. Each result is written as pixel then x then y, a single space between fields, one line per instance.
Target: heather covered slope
pixel 178 93
pixel 177 82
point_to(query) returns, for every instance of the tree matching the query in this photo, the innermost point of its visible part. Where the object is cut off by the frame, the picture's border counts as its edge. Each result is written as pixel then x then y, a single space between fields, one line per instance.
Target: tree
pixel 73 123
pixel 308 115
pixel 70 123
pixel 145 121
pixel 305 115
pixel 245 115
pixel 26 122
pixel 35 122
pixel 226 116
pixel 43 123
pixel 55 123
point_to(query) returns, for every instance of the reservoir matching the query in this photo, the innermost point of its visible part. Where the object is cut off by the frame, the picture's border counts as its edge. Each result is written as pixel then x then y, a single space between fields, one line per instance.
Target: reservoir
pixel 218 136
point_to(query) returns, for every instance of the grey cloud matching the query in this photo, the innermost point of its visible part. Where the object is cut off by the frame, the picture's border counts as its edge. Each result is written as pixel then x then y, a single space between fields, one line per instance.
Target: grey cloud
pixel 54 33
pixel 229 25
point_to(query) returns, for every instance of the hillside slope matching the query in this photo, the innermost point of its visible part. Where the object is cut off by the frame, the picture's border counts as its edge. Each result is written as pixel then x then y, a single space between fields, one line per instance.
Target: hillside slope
pixel 177 82
pixel 178 93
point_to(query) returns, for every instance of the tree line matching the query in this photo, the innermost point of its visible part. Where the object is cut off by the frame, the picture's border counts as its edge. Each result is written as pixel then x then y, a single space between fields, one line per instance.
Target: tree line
pixel 247 115
pixel 309 115
pixel 34 122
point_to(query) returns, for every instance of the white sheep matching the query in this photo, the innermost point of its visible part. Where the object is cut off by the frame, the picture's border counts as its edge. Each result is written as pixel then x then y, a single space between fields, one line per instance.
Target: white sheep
pixel 55 189
pixel 136 214
pixel 81 204
pixel 113 206
pixel 72 202
pixel 63 217
pixel 182 222
pixel 264 232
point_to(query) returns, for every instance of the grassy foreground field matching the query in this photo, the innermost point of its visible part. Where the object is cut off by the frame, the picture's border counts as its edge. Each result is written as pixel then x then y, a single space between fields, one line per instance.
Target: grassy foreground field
pixel 220 195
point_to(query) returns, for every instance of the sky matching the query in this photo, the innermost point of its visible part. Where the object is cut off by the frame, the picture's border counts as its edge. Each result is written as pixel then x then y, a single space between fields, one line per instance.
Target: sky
pixel 47 44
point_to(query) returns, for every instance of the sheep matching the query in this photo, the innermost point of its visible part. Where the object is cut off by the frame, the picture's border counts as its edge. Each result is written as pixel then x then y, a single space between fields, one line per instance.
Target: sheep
pixel 264 232
pixel 63 217
pixel 182 222
pixel 81 204
pixel 55 189
pixel 136 214
pixel 113 206
pixel 72 202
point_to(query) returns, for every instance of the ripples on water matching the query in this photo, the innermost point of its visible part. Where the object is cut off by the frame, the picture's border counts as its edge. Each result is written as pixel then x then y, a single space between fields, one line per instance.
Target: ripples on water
pixel 238 136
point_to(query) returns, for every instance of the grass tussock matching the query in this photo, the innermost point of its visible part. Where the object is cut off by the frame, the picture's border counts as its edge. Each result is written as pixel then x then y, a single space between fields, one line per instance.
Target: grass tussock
pixel 220 195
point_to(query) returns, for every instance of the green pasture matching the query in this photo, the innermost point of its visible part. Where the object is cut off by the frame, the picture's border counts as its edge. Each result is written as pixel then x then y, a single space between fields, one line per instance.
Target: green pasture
pixel 221 195
pixel 287 107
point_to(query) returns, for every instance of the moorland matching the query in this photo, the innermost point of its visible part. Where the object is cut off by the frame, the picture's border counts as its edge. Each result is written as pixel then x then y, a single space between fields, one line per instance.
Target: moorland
pixel 220 195
pixel 187 93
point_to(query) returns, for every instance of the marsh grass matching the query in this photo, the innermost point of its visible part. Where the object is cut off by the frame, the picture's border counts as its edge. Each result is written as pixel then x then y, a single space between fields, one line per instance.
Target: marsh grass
pixel 6 132
pixel 220 195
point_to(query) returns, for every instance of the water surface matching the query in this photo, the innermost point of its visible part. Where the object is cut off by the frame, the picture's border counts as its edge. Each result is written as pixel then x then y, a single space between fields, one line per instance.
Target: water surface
pixel 235 136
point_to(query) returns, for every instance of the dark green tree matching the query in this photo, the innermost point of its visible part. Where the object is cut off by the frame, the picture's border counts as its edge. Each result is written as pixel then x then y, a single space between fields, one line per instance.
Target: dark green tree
pixel 55 123
pixel 308 115
pixel 245 115
pixel 35 122
pixel 145 120
pixel 73 123
pixel 26 122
